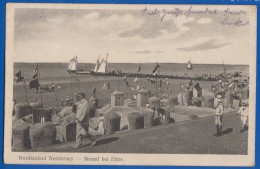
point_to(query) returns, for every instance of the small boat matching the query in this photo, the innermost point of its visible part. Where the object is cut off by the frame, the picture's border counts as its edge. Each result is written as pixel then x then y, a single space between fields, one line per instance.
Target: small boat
pixel 189 65
pixel 101 69
pixel 73 67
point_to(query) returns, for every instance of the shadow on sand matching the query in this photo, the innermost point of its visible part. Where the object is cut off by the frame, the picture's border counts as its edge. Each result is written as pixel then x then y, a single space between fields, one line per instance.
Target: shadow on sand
pixel 227 131
pixel 106 140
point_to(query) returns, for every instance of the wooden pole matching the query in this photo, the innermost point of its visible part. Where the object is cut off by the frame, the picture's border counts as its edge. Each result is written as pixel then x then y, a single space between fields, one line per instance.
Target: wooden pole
pixel 71 86
pixel 25 91
pixel 55 94
pixel 96 87
pixel 118 88
pixel 38 72
pixel 126 89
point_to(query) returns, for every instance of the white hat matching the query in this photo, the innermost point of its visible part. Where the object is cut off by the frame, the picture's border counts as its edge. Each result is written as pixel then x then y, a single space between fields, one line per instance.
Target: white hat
pixel 245 102
pixel 218 98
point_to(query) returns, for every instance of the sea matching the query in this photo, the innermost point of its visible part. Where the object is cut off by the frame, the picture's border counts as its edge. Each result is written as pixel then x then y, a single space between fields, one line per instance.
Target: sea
pixel 57 72
pixel 71 83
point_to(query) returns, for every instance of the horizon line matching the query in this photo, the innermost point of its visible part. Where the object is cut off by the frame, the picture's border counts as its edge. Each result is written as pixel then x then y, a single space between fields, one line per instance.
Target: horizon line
pixel 139 62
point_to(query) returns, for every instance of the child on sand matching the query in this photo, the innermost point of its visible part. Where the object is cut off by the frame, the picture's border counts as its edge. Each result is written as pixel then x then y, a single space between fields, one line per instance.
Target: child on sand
pixel 101 124
pixel 243 111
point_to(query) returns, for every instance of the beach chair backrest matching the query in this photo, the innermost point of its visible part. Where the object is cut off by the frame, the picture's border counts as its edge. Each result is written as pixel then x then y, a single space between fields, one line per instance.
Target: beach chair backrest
pixel 70 133
pixel 41 115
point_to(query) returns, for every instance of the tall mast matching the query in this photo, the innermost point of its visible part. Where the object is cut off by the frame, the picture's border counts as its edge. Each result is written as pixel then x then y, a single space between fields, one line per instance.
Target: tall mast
pixel 38 76
pixel 224 66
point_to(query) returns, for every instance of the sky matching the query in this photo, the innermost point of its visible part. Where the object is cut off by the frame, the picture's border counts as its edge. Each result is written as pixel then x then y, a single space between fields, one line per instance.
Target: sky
pixel 130 36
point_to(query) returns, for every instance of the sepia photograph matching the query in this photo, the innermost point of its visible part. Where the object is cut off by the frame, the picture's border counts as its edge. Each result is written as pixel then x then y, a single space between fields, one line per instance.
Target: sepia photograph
pixel 97 84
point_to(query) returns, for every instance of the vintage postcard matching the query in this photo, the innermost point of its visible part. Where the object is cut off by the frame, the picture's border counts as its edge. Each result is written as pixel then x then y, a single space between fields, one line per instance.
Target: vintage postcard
pixel 96 84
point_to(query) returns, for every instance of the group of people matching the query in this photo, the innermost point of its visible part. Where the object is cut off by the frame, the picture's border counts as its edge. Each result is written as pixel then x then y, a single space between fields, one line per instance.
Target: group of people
pixel 82 110
pixel 243 112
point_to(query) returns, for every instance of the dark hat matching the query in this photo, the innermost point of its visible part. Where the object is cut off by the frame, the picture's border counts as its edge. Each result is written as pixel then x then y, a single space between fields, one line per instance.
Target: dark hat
pixel 82 95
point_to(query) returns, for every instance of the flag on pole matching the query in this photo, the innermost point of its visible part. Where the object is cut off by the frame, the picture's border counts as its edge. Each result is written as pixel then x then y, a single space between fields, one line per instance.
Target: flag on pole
pixel 36 69
pixel 35 76
pixel 35 73
pixel 19 77
pixel 156 72
pixel 139 68
pixel 34 84
pixel 136 79
pixel 125 78
pixel 156 68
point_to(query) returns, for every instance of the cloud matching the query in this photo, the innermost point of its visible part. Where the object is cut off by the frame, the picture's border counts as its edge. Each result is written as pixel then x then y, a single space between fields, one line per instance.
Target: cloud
pixel 125 35
pixel 62 26
pixel 153 28
pixel 143 52
pixel 148 52
pixel 204 20
pixel 207 45
pixel 108 24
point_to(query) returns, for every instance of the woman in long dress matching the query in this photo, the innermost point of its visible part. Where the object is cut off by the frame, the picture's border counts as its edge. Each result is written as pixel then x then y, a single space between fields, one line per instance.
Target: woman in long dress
pixel 101 124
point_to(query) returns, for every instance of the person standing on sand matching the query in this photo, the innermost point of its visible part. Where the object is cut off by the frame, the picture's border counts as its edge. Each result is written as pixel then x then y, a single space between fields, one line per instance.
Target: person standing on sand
pixel 101 124
pixel 108 85
pixel 104 86
pixel 219 114
pixel 243 111
pixel 82 120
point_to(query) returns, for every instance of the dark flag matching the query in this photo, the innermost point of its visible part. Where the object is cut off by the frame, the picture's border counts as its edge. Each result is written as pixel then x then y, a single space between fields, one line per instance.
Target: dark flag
pixel 36 69
pixel 156 67
pixel 139 68
pixel 35 76
pixel 35 73
pixel 34 84
pixel 156 72
pixel 19 77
